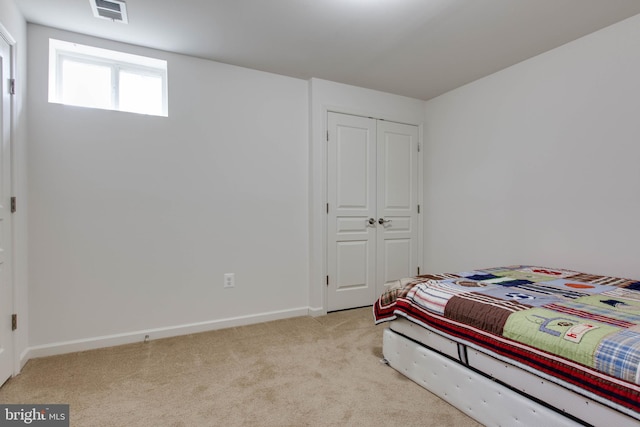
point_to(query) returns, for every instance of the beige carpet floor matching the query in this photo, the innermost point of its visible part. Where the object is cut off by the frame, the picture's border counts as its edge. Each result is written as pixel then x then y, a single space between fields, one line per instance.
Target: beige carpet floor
pixel 322 371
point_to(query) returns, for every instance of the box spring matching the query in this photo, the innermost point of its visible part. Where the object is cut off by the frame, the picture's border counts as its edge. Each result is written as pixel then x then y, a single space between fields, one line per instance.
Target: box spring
pixel 491 391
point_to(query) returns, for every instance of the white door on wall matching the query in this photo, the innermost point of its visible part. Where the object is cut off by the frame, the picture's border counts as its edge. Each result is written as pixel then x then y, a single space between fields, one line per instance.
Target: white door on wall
pixel 372 210
pixel 6 288
pixel 397 202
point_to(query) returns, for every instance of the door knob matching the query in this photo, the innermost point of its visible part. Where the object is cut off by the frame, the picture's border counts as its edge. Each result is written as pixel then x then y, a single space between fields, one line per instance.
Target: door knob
pixel 372 221
pixel 383 221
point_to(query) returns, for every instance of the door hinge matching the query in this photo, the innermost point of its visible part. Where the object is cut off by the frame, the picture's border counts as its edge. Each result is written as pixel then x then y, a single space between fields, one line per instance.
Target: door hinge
pixel 327 136
pixel 418 271
pixel 13 205
pixel 14 322
pixel 418 148
pixel 418 208
pixel 327 280
pixel 327 207
pixel 12 86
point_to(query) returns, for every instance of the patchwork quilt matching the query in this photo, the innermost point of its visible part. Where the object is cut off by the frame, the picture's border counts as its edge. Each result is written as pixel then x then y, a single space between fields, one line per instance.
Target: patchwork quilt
pixel 579 328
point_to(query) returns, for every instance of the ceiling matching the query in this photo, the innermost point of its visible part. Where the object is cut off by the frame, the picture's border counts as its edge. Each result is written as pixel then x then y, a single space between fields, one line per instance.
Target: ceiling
pixel 416 48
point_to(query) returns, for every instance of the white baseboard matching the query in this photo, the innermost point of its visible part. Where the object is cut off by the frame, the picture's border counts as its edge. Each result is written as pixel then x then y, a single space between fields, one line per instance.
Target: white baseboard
pixel 317 311
pixel 158 333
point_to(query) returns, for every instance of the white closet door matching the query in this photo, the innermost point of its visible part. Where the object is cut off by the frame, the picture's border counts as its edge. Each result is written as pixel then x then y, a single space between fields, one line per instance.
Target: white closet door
pixel 351 199
pixel 397 202
pixel 372 207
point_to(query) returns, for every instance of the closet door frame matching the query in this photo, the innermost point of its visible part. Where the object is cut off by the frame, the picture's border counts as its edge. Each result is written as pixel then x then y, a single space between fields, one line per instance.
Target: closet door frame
pixel 373 227
pixel 325 96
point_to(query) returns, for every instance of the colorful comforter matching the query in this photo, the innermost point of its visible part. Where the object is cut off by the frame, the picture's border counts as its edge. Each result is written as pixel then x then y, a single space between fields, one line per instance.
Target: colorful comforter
pixel 582 329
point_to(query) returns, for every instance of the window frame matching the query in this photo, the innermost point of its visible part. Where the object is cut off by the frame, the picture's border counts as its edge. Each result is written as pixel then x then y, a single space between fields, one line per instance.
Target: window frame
pixel 60 51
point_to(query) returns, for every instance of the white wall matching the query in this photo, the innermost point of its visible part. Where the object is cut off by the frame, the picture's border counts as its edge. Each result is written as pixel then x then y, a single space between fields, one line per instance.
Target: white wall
pixel 134 219
pixel 539 163
pixel 12 20
pixel 330 96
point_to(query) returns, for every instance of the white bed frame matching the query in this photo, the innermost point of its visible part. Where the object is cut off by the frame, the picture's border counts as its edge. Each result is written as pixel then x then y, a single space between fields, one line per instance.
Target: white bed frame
pixel 476 383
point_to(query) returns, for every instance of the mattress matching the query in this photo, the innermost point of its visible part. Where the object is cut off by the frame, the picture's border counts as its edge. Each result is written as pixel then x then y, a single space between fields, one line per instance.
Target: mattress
pixel 489 402
pixel 579 330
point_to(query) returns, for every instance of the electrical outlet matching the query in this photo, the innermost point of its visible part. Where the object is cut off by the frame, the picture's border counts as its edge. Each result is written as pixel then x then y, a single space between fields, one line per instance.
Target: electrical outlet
pixel 229 280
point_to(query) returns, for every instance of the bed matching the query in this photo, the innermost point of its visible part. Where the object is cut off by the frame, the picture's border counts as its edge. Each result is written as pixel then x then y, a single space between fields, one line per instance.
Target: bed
pixel 520 345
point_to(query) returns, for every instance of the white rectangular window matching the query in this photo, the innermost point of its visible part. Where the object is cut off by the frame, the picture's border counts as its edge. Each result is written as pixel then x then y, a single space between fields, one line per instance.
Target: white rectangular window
pixel 99 78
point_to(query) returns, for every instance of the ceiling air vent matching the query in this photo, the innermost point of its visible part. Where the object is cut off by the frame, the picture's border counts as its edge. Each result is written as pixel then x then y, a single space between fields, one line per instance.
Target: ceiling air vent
pixel 113 10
